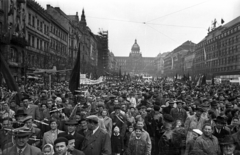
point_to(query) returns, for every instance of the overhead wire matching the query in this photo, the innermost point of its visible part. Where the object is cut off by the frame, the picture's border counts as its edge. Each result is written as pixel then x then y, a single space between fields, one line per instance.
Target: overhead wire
pixel 177 11
pixel 136 22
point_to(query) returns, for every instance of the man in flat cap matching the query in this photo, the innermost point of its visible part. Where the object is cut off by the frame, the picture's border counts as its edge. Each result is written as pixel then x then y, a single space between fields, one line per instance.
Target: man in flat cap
pixel 97 141
pixel 21 147
pixel 35 132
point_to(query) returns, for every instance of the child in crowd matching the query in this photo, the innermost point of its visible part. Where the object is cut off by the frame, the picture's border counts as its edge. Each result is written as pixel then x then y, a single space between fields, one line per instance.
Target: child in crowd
pixel 137 146
pixel 117 142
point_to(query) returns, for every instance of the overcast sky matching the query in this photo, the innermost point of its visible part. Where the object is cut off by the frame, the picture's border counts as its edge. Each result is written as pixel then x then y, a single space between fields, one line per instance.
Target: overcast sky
pixel 158 25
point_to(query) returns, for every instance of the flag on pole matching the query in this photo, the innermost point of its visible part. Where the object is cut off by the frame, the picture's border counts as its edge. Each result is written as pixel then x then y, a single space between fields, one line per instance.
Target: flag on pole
pixel 75 74
pixel 222 21
pixel 10 81
pixel 172 63
pixel 205 55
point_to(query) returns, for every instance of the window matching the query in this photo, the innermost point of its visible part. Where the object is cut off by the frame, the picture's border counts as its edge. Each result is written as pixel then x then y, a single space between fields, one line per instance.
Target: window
pixel 41 45
pixel 37 43
pixel 13 55
pixel 33 21
pixel 29 39
pixel 33 41
pixel 29 19
pixel 1 4
pixel 41 27
pixel 38 24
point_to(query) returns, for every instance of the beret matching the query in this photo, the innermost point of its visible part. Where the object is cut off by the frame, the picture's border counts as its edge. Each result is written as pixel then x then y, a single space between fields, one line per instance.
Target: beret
pixel 60 140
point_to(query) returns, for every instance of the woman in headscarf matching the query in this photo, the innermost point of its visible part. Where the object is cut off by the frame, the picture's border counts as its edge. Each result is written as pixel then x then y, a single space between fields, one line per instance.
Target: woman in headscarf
pixel 48 149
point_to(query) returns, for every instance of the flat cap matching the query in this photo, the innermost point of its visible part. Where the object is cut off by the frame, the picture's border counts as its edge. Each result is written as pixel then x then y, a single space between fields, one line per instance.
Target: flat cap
pixel 93 118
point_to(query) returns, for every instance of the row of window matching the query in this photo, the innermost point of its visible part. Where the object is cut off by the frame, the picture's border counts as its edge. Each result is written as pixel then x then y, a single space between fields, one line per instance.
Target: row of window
pixel 41 26
pixel 37 43
pixel 222 35
pixel 56 31
pixel 58 46
pixel 224 52
pixel 220 53
pixel 223 61
pixel 225 69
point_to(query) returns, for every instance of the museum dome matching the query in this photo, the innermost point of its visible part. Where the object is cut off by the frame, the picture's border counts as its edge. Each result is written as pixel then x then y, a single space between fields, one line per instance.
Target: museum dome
pixel 135 47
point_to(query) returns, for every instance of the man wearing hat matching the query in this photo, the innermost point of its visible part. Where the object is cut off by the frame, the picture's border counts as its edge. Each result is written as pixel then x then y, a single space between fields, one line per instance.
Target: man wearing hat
pixel 221 130
pixel 35 132
pixel 228 146
pixel 31 109
pixel 97 141
pixel 20 115
pixel 214 108
pixel 71 130
pixel 118 120
pixel 21 146
pixel 153 123
pixel 168 109
pixel 206 144
pixel 179 113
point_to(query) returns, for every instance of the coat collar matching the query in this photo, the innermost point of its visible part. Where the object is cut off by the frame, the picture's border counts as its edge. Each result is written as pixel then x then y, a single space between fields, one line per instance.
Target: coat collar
pixel 91 138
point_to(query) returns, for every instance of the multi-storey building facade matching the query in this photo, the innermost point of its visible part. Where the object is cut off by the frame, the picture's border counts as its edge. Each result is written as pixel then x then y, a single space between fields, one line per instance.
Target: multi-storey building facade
pixel 160 63
pixel 37 35
pixel 218 52
pixel 174 61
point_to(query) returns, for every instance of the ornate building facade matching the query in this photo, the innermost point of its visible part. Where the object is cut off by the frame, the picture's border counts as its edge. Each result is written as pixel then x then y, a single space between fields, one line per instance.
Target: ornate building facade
pixel 136 64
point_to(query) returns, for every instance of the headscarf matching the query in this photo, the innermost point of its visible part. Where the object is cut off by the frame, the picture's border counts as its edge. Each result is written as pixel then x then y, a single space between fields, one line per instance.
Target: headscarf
pixel 52 150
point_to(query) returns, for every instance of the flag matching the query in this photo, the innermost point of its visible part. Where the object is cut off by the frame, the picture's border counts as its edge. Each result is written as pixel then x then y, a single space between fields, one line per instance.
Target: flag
pixel 10 81
pixel 172 63
pixel 204 80
pixel 199 81
pixel 222 21
pixel 75 74
pixel 205 55
pixel 120 73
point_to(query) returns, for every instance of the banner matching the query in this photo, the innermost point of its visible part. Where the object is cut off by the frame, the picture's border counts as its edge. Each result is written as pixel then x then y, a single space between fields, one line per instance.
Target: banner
pixel 91 82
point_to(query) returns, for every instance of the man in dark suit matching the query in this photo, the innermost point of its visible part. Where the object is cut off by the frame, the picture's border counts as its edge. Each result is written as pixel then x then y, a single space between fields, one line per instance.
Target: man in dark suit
pixel 168 109
pixel 21 146
pixel 71 146
pixel 71 130
pixel 31 109
pixel 179 113
pixel 220 129
pixel 97 142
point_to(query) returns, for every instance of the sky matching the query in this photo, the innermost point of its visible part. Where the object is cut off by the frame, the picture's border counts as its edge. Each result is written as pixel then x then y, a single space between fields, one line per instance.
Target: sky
pixel 158 25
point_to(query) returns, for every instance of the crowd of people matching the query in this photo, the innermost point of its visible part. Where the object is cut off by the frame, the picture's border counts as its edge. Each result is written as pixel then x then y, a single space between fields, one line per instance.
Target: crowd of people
pixel 130 117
